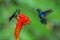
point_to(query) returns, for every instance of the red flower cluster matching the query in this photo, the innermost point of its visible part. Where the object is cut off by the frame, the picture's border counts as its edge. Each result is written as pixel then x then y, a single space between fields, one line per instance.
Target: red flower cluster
pixel 21 21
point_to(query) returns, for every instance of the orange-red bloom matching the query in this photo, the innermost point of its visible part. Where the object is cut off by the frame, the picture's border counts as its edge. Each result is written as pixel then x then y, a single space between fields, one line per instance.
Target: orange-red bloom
pixel 21 21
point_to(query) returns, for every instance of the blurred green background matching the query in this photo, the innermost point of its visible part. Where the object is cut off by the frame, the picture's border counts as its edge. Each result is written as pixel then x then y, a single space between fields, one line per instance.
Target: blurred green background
pixel 36 30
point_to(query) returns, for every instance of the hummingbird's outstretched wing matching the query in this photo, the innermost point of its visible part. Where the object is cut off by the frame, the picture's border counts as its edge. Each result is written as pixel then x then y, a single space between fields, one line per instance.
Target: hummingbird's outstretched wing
pixel 48 12
pixel 14 15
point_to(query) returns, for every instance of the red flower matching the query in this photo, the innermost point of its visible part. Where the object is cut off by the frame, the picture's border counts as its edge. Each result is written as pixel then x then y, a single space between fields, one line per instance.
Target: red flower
pixel 21 21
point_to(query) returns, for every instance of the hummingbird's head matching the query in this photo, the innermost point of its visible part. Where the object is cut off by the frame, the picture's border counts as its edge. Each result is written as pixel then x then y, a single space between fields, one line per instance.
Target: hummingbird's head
pixel 18 10
pixel 16 13
pixel 38 10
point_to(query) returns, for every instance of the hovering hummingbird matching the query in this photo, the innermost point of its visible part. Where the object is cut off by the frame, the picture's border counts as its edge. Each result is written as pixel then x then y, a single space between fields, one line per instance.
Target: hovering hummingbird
pixel 42 15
